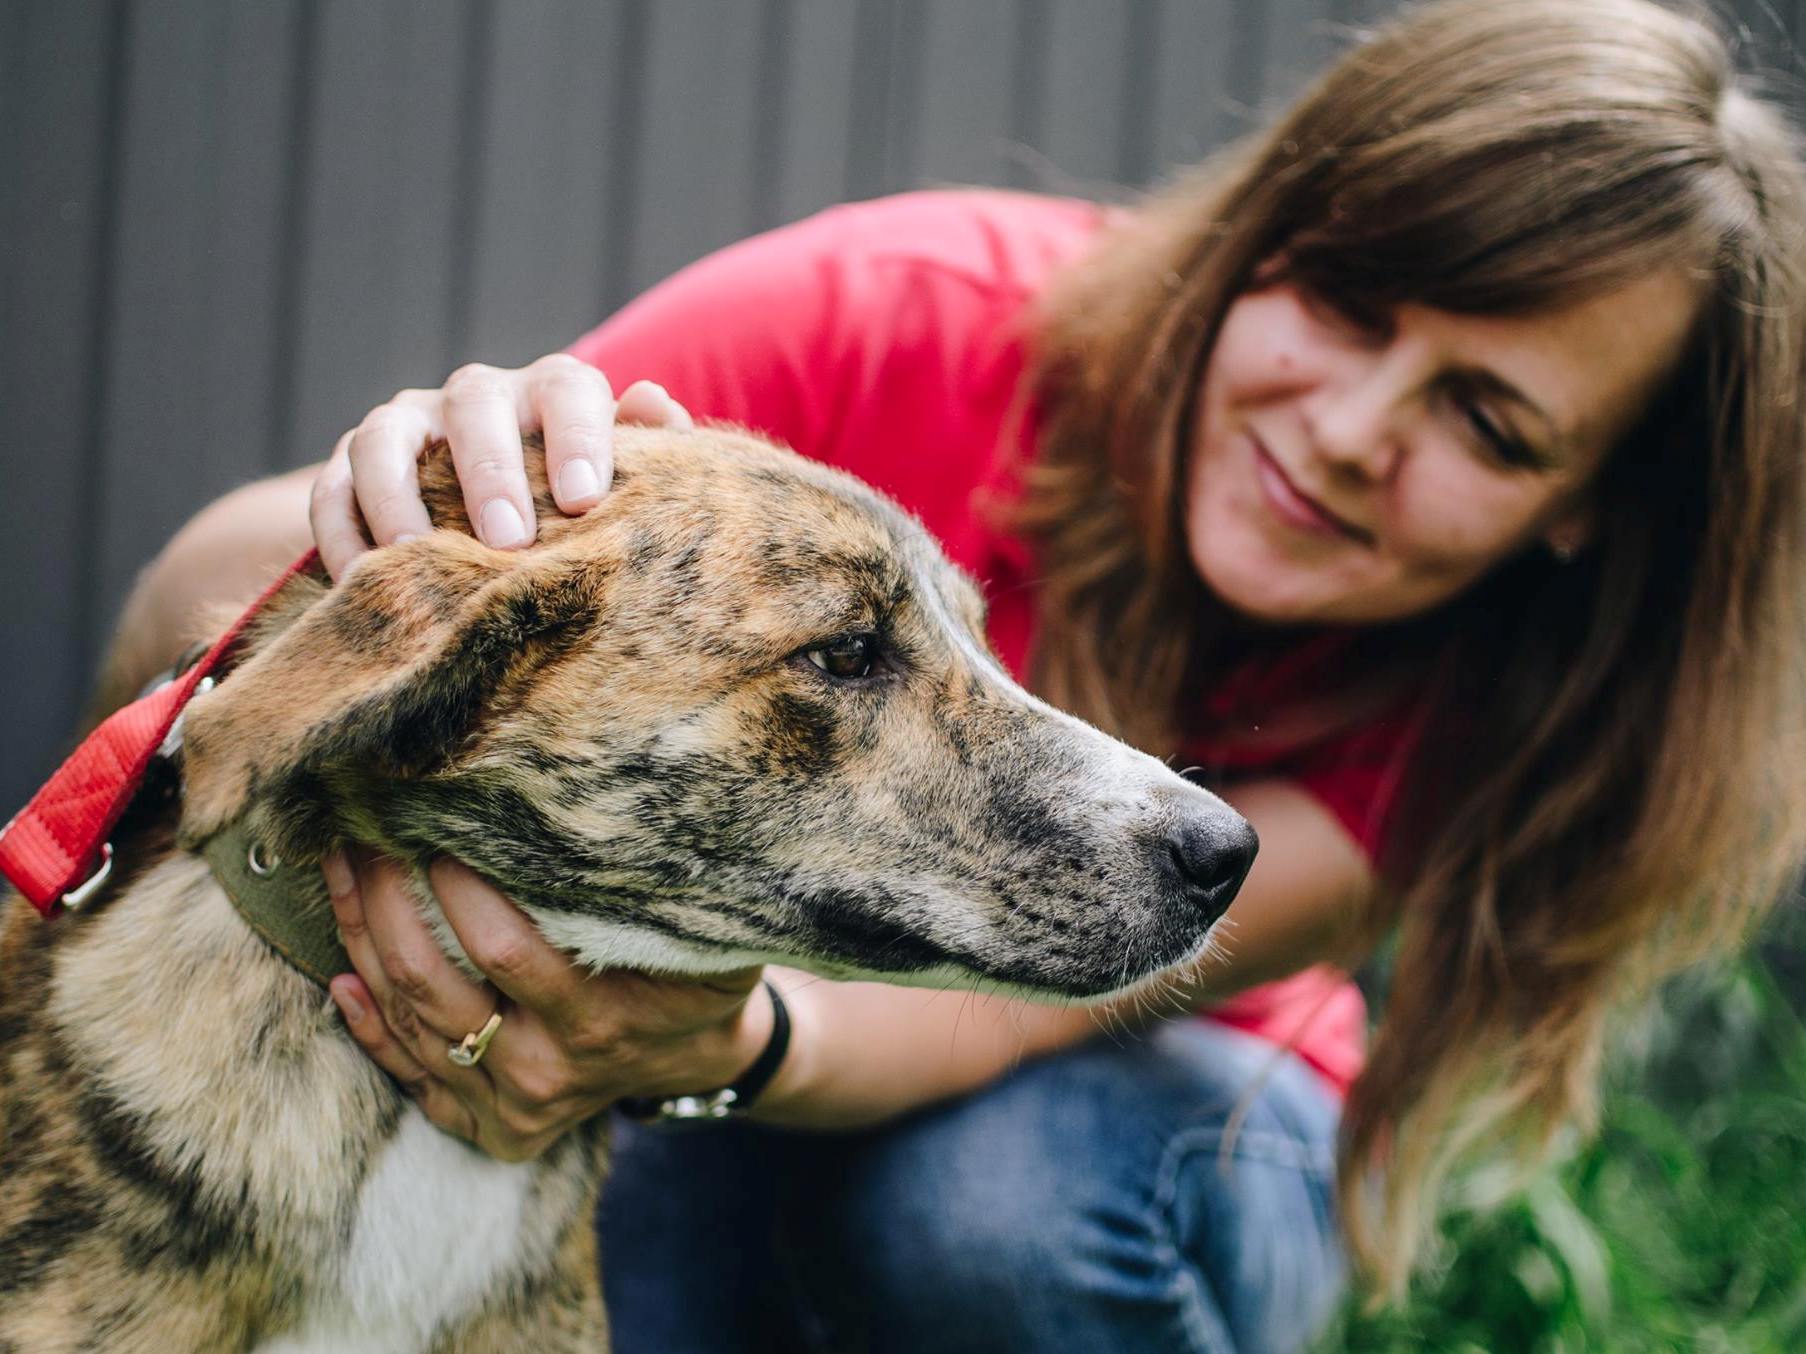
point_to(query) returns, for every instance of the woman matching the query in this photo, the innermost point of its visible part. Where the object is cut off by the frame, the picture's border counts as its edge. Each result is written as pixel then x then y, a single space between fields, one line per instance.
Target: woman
pixel 1426 470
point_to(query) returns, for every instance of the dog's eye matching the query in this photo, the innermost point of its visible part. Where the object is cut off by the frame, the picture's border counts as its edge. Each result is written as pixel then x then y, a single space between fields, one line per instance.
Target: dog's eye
pixel 848 657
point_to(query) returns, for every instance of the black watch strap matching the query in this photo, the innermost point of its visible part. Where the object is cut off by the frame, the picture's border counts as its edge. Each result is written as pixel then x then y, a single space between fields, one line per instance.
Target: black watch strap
pixel 730 1099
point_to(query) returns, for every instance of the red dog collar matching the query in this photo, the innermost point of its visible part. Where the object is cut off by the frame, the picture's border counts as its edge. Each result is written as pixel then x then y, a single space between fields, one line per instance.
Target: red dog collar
pixel 55 850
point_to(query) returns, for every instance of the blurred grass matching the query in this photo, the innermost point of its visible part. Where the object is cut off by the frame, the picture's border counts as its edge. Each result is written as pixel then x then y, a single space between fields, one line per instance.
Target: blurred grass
pixel 1682 1226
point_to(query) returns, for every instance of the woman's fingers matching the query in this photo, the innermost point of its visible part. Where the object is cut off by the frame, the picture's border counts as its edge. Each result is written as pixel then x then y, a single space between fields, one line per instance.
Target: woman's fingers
pixel 427 1004
pixel 439 995
pixel 452 1112
pixel 369 493
pixel 332 513
pixel 650 403
pixel 367 1026
pixel 501 941
pixel 384 454
pixel 485 414
pixel 520 1113
pixel 534 1087
pixel 575 408
pixel 514 1104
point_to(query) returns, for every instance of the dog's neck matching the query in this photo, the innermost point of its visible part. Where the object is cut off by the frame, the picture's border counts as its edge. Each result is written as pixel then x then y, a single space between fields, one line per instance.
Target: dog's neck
pixel 286 905
pixel 288 908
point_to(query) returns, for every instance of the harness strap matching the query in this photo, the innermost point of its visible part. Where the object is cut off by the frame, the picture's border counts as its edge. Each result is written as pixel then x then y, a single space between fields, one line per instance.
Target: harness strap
pixel 287 907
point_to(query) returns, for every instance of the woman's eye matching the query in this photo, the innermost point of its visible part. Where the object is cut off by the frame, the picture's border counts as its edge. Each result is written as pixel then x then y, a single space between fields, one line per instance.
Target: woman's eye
pixel 848 657
pixel 1498 440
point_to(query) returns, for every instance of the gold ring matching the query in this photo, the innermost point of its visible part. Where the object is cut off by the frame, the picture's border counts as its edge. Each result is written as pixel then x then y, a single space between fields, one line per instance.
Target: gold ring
pixel 469 1050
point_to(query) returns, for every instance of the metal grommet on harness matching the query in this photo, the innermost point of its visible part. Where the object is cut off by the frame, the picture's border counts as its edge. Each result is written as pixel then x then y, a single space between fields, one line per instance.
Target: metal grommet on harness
pixel 261 861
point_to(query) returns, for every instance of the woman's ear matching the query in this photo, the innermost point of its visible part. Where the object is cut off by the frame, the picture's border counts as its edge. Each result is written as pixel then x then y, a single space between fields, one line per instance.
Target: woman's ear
pixel 1571 532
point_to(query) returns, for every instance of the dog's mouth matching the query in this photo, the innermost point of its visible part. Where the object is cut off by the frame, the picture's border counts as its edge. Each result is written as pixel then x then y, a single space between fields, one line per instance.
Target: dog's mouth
pixel 1111 944
pixel 841 935
pixel 1101 973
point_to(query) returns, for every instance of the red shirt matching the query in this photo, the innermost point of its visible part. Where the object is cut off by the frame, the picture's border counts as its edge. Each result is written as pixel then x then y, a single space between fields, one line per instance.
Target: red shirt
pixel 888 338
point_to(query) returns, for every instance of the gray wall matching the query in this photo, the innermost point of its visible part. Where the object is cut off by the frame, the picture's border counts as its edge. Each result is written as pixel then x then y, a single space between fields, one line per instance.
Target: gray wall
pixel 229 228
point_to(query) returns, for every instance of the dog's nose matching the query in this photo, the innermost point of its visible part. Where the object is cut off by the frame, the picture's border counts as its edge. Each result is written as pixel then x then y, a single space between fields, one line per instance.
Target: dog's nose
pixel 1208 858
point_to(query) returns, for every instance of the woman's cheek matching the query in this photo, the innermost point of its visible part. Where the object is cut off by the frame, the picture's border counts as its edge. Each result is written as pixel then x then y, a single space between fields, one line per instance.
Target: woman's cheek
pixel 1460 524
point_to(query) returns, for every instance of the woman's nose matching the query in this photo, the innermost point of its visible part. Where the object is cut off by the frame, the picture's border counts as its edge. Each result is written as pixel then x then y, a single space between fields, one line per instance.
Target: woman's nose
pixel 1356 417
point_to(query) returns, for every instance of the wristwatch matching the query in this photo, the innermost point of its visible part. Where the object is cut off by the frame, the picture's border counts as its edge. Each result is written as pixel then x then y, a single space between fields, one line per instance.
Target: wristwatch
pixel 732 1099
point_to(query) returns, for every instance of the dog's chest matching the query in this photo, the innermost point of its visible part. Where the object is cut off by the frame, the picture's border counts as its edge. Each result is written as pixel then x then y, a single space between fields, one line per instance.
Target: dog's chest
pixel 438 1225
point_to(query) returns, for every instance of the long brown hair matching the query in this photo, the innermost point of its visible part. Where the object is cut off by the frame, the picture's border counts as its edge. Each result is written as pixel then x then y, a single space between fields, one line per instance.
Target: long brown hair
pixel 1629 790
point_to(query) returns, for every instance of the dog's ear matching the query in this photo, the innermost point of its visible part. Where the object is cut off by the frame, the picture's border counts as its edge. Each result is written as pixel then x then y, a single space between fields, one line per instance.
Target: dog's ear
pixel 385 677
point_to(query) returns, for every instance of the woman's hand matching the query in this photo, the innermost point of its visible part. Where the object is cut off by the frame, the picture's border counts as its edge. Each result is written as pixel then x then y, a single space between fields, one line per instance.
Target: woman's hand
pixel 369 492
pixel 570 1042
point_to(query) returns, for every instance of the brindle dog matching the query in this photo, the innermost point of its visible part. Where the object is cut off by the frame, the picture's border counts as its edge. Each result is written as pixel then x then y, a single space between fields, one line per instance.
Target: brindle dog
pixel 740 712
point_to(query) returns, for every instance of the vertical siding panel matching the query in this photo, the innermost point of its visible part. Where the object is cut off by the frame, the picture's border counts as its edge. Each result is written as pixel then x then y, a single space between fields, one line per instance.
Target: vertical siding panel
pixel 57 99
pixel 1244 72
pixel 1028 93
pixel 698 135
pixel 903 95
pixel 538 257
pixel 191 350
pixel 1192 111
pixel 454 146
pixel 771 77
pixel 1135 135
pixel 299 124
pixel 379 290
pixel 819 91
pixel 238 353
pixel 167 196
pixel 964 125
pixel 1085 95
pixel 625 147
pixel 868 115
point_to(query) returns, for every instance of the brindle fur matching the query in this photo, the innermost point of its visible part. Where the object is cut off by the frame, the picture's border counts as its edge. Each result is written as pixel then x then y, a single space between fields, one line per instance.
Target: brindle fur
pixel 620 726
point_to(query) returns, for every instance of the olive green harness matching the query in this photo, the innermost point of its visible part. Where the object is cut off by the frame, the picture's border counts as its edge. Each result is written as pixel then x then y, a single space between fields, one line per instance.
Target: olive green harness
pixel 286 905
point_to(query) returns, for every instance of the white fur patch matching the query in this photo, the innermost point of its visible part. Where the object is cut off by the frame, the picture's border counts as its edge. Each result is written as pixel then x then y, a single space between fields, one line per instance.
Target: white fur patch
pixel 437 1224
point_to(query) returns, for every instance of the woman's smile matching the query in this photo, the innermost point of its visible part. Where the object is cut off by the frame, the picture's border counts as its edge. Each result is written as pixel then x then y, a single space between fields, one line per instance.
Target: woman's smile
pixel 1294 508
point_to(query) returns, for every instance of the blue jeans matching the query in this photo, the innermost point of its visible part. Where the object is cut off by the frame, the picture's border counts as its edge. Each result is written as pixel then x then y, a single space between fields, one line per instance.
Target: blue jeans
pixel 1083 1203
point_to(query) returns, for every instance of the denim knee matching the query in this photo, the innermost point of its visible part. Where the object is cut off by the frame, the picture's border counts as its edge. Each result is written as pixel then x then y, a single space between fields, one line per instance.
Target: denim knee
pixel 1092 1200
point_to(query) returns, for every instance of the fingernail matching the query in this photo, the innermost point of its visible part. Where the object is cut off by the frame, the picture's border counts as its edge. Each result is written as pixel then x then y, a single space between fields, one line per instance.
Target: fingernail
pixel 577 481
pixel 500 525
pixel 404 537
pixel 337 869
pixel 678 416
pixel 349 1006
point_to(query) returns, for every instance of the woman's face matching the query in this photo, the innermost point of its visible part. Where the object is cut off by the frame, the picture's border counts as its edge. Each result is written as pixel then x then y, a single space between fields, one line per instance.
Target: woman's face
pixel 1342 473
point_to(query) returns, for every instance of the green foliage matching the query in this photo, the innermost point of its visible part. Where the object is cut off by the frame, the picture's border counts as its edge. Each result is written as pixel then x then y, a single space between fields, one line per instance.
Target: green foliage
pixel 1681 1226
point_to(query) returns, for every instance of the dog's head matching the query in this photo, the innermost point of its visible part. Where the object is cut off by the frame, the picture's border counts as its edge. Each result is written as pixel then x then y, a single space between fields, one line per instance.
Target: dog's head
pixel 741 711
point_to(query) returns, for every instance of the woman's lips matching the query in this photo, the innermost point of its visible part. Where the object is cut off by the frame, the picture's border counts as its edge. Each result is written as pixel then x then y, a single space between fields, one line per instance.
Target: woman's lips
pixel 1297 509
